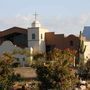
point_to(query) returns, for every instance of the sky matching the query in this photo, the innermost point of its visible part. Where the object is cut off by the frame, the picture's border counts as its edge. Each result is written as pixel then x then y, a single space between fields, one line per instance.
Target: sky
pixel 59 16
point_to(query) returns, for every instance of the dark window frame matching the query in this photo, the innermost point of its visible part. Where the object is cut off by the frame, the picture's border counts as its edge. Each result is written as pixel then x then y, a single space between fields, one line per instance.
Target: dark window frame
pixel 71 43
pixel 33 36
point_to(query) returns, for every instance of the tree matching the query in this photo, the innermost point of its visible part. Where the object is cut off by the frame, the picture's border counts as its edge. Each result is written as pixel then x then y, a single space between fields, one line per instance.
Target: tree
pixel 56 73
pixel 6 71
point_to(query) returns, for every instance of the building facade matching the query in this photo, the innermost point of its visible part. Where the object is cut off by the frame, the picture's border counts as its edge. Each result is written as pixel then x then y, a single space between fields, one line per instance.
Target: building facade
pixel 60 41
pixel 18 36
pixel 86 39
pixel 87 51
pixel 38 38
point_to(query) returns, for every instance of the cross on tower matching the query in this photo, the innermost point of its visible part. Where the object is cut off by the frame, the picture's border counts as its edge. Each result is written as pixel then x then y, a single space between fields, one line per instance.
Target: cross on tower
pixel 35 16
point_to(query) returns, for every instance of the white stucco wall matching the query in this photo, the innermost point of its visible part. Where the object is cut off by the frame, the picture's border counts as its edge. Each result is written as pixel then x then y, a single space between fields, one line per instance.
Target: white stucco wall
pixel 34 43
pixel 31 31
pixel 38 44
pixel 42 40
pixel 87 51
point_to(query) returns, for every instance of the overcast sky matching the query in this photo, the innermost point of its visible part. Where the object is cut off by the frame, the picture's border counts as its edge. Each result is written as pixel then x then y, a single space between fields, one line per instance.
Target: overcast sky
pixel 60 16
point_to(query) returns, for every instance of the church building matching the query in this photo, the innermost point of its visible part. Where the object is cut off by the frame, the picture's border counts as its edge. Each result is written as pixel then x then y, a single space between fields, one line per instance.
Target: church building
pixel 37 38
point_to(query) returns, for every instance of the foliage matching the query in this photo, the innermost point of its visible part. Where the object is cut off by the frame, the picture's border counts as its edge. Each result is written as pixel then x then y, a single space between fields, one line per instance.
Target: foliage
pixel 88 68
pixel 84 70
pixel 56 55
pixel 39 56
pixel 88 65
pixel 17 77
pixel 6 70
pixel 25 52
pixel 56 73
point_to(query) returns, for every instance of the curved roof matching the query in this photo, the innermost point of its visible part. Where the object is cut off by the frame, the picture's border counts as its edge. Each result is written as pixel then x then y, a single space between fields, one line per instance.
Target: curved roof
pixel 13 30
pixel 36 24
pixel 71 35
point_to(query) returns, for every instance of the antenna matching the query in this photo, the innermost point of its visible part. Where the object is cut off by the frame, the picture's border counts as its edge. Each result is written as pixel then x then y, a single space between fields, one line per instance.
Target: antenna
pixel 35 16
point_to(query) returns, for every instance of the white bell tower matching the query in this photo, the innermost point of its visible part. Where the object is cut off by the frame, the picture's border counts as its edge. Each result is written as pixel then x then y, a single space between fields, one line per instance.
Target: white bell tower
pixel 36 37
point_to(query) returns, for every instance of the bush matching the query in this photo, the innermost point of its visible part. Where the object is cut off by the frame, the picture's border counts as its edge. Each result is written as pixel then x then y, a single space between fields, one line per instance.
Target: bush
pixel 56 73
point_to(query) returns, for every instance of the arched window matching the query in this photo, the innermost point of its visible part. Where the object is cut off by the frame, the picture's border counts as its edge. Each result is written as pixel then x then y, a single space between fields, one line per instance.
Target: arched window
pixel 41 36
pixel 71 43
pixel 33 36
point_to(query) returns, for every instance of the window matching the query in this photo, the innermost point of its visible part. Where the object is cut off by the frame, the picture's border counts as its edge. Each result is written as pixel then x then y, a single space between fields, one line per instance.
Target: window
pixel 41 36
pixel 71 43
pixel 33 36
